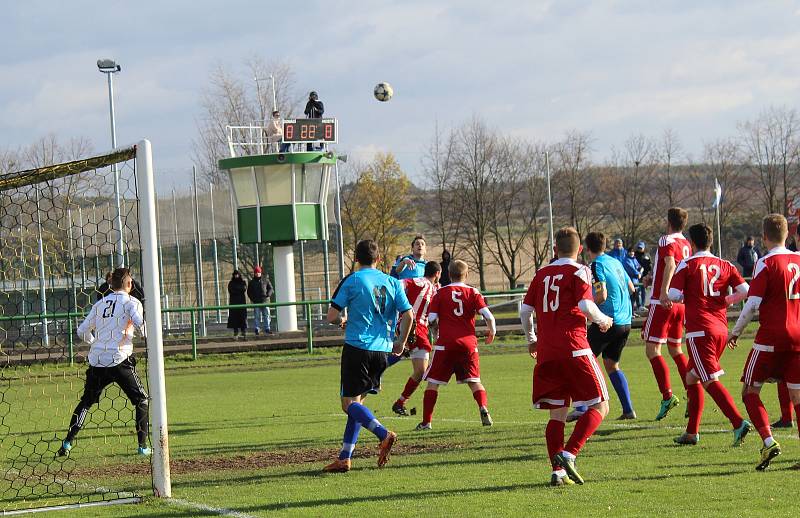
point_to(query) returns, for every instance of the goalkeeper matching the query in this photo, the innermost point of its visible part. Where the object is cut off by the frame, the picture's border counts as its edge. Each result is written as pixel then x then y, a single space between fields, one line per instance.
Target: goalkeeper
pixel 109 329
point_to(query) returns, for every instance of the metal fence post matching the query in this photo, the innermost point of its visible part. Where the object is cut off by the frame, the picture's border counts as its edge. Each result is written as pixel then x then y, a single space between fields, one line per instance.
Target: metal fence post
pixel 194 334
pixel 310 330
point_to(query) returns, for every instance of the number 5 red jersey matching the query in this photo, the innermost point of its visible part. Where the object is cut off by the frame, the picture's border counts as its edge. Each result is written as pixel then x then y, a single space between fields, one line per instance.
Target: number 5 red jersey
pixel 776 280
pixel 456 306
pixel 554 295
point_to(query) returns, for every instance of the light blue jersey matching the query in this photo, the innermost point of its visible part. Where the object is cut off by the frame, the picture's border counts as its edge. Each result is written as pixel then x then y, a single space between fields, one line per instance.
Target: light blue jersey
pixel 373 300
pixel 617 305
pixel 410 273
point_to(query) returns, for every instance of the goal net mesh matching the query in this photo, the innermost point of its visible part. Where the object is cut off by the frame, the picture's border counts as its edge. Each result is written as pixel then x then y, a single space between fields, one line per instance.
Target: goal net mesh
pixel 59 236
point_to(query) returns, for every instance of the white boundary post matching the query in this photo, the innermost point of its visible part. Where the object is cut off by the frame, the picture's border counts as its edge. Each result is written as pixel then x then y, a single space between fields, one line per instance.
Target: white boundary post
pixel 162 486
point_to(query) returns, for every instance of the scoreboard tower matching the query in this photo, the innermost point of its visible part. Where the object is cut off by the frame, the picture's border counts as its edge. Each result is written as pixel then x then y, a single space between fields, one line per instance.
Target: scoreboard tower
pixel 281 198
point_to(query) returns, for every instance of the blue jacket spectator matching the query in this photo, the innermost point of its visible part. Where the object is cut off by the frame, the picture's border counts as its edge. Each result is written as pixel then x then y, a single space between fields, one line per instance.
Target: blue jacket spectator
pixel 618 251
pixel 632 266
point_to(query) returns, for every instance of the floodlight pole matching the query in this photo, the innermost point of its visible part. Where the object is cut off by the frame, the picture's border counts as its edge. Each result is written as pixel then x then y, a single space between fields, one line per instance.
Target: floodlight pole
pixel 214 249
pixel 549 201
pixel 339 233
pixel 118 221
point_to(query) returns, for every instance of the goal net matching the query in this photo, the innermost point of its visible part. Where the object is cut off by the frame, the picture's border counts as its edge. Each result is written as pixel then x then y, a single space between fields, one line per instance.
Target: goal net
pixel 63 228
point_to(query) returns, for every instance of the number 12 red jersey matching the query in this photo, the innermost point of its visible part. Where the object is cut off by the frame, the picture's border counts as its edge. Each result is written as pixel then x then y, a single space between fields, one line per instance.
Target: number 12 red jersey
pixel 554 294
pixel 456 306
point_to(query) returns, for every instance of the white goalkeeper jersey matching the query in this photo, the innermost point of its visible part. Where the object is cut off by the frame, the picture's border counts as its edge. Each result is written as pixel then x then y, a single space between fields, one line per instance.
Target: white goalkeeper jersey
pixel 109 328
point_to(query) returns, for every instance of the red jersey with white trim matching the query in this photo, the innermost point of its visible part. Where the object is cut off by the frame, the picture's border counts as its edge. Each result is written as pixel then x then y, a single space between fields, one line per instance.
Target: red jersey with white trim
pixel 419 292
pixel 776 279
pixel 670 245
pixel 704 280
pixel 456 306
pixel 554 294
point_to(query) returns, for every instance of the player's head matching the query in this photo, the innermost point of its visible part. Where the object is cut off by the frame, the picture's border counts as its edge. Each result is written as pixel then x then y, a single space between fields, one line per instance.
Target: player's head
pixel 418 245
pixel 108 277
pixel 568 243
pixel 595 242
pixel 458 271
pixel 121 280
pixel 676 219
pixel 775 229
pixel 701 237
pixel 367 252
pixel 257 272
pixel 433 271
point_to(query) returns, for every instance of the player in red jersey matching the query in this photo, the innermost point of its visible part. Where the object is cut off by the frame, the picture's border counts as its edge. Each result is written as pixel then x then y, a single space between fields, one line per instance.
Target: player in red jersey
pixel 701 282
pixel 566 369
pixel 664 323
pixel 456 350
pixel 419 292
pixel 775 293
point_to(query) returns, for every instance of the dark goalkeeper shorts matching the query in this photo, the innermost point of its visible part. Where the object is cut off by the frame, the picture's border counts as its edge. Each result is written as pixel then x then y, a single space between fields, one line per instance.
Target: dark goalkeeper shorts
pixel 361 371
pixel 610 343
pixel 123 374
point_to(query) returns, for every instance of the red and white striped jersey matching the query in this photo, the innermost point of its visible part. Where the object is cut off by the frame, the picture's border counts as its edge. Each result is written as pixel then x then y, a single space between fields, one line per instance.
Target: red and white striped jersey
pixel 419 292
pixel 671 245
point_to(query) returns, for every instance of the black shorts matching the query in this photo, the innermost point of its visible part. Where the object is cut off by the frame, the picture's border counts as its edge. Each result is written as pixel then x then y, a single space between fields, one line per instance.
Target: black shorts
pixel 123 374
pixel 361 371
pixel 610 343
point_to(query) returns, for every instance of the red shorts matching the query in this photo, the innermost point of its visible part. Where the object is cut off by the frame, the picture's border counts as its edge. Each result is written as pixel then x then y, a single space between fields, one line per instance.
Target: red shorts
pixel 446 361
pixel 705 350
pixel 421 342
pixel 579 380
pixel 664 326
pixel 765 364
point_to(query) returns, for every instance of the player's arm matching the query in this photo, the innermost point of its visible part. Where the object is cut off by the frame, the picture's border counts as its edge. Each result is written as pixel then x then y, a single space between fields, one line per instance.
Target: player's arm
pixel 136 315
pixel 600 292
pixel 631 287
pixel 490 323
pixel 669 269
pixel 337 312
pixel 526 319
pixel 738 295
pixel 87 326
pixel 593 314
pixel 406 320
pixel 335 316
pixel 747 314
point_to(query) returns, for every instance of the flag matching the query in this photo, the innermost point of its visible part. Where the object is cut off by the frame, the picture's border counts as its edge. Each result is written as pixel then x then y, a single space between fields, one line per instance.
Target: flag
pixel 717 194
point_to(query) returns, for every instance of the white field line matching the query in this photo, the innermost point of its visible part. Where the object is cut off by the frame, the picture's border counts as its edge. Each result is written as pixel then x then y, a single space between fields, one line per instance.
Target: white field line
pixel 179 502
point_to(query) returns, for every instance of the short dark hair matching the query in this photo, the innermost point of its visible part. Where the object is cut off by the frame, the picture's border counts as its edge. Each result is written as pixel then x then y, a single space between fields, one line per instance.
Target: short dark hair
pixel 701 235
pixel 775 227
pixel 567 240
pixel 595 242
pixel 431 268
pixel 417 237
pixel 118 277
pixel 367 252
pixel 677 218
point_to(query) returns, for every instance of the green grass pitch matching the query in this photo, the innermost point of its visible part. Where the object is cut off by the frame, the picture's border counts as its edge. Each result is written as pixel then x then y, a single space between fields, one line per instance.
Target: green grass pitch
pixel 249 434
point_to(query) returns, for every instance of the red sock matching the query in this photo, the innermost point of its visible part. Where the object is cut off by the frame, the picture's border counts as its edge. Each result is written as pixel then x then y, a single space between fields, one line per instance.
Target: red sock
pixel 696 403
pixel 554 437
pixel 758 414
pixel 428 402
pixel 724 401
pixel 682 361
pixel 584 429
pixel 797 416
pixel 661 372
pixel 480 398
pixel 785 402
pixel 409 389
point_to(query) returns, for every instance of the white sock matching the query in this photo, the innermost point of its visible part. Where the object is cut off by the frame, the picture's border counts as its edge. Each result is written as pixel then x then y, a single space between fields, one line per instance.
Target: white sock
pixel 769 441
pixel 567 455
pixel 560 473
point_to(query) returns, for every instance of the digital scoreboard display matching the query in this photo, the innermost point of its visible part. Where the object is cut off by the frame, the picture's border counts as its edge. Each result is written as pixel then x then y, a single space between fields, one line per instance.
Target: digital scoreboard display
pixel 309 130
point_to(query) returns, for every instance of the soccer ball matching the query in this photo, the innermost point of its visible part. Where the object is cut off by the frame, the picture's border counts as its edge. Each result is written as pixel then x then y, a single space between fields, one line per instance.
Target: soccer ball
pixel 383 92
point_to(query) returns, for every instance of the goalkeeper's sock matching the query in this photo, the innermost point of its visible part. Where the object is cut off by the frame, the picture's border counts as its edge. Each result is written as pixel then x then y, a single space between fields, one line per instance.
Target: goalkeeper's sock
pixel 620 383
pixel 392 359
pixel 366 418
pixel 351 430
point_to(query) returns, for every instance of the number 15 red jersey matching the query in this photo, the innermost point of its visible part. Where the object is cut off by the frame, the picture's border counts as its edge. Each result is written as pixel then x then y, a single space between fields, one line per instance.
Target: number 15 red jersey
pixel 554 294
pixel 456 305
pixel 776 279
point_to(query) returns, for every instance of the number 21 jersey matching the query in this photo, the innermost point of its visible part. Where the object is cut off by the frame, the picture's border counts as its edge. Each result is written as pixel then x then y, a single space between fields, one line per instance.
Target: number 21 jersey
pixel 456 305
pixel 554 294
pixel 776 279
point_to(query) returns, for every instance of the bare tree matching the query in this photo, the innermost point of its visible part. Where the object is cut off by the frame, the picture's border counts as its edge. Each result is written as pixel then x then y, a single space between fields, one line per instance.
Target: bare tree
pixel 446 211
pixel 574 185
pixel 669 152
pixel 770 150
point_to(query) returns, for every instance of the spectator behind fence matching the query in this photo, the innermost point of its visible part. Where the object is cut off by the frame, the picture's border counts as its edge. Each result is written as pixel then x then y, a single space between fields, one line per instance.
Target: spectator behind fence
pixel 747 257
pixel 444 280
pixel 314 110
pixel 275 132
pixel 634 271
pixel 618 251
pixel 105 289
pixel 260 291
pixel 647 266
pixel 237 318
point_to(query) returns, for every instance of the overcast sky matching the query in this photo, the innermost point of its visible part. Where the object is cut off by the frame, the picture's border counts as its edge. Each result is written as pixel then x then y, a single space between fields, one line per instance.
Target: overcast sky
pixel 534 68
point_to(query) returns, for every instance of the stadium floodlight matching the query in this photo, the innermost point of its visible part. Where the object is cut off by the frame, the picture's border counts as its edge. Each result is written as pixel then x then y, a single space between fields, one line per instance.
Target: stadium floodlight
pixel 109 67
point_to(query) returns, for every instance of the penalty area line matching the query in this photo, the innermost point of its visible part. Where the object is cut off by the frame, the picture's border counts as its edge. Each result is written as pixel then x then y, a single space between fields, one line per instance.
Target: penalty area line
pixel 221 511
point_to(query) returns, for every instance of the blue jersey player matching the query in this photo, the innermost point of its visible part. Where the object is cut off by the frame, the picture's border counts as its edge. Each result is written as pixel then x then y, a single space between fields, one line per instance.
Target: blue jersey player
pixel 373 300
pixel 413 265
